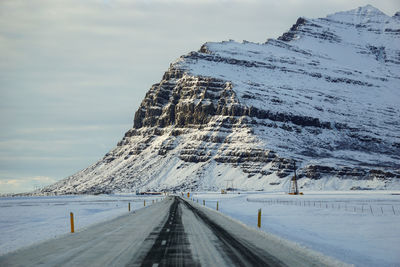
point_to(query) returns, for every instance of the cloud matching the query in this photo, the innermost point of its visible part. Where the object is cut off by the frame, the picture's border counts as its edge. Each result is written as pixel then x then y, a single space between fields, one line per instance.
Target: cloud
pixel 64 129
pixel 44 179
pixel 24 184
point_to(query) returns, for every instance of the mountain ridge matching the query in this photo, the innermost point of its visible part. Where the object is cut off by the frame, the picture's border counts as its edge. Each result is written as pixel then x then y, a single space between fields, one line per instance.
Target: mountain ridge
pixel 324 94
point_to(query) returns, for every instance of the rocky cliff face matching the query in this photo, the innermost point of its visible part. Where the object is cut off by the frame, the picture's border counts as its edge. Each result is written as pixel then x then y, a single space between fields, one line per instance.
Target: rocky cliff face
pixel 325 94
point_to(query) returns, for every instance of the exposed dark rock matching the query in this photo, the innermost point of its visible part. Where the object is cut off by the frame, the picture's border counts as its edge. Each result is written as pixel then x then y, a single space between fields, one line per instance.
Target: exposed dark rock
pixel 288 36
pixel 360 188
pixel 317 171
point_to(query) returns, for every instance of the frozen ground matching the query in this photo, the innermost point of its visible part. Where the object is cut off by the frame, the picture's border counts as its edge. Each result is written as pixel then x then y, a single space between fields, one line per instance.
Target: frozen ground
pixel 172 232
pixel 28 220
pixel 340 225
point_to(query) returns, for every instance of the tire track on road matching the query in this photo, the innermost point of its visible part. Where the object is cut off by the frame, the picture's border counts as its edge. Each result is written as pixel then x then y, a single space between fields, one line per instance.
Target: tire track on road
pixel 238 252
pixel 171 247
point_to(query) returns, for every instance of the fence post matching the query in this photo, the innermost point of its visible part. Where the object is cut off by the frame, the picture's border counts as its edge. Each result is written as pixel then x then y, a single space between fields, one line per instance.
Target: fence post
pixel 72 222
pixel 259 218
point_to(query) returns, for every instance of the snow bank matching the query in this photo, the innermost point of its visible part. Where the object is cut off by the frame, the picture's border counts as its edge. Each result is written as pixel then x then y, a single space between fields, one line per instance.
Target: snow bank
pixel 28 220
pixel 360 228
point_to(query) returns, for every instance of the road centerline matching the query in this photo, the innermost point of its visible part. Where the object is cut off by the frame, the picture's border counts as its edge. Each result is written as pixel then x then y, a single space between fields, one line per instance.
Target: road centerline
pixel 171 247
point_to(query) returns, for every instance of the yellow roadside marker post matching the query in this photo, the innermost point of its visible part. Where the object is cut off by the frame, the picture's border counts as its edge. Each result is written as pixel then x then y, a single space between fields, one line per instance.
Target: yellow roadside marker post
pixel 72 222
pixel 129 206
pixel 217 205
pixel 204 202
pixel 259 218
pixel 144 203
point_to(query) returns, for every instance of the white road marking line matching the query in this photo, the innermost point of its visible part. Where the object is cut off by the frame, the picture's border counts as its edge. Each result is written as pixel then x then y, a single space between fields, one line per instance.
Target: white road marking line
pixel 163 242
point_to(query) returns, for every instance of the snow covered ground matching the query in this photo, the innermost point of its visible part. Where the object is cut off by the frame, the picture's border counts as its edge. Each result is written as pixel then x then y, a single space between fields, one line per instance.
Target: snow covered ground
pixel 361 228
pixel 28 220
pixel 338 224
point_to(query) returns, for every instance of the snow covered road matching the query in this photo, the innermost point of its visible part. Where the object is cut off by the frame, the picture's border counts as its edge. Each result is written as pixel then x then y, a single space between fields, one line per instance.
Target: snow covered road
pixel 173 232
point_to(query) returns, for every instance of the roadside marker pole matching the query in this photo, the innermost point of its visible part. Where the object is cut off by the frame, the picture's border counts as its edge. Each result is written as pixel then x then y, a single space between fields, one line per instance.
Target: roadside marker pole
pixel 72 222
pixel 144 203
pixel 204 202
pixel 153 201
pixel 129 206
pixel 259 218
pixel 217 205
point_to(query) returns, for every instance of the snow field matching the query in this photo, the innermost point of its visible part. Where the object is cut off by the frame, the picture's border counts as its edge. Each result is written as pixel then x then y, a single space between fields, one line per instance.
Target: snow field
pixel 331 227
pixel 360 237
pixel 28 220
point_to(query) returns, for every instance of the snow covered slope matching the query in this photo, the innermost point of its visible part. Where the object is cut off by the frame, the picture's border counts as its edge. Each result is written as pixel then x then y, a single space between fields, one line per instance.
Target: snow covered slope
pixel 325 94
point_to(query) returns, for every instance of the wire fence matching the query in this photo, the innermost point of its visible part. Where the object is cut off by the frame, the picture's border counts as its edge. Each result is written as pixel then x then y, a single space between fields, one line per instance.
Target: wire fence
pixel 349 206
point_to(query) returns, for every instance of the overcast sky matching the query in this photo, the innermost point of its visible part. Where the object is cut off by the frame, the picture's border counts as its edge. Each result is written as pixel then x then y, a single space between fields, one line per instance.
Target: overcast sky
pixel 73 72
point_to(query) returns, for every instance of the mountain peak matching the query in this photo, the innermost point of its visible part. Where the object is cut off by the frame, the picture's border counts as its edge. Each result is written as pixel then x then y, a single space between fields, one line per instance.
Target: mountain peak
pixel 360 15
pixel 323 97
pixel 368 9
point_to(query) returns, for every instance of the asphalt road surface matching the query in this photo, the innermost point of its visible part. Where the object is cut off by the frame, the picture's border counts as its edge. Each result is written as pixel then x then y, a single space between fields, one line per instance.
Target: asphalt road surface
pixel 173 232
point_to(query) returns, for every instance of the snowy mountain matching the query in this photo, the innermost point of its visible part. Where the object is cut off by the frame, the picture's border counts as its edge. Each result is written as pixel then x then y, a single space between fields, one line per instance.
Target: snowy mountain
pixel 325 94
